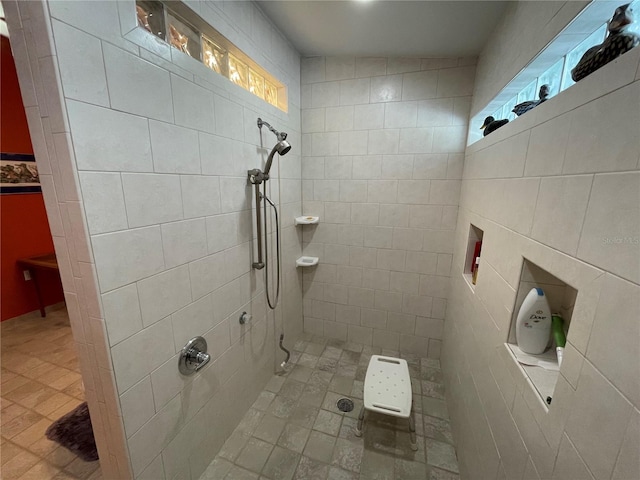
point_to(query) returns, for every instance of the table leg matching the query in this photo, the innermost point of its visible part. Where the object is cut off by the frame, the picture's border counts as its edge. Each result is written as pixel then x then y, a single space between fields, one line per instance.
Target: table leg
pixel 34 277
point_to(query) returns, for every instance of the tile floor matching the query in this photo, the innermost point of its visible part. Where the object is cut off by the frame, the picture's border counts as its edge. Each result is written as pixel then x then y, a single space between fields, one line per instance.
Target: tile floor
pixel 295 431
pixel 40 383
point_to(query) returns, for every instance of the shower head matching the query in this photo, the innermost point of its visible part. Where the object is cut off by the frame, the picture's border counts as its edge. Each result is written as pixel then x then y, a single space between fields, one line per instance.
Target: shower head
pixel 282 148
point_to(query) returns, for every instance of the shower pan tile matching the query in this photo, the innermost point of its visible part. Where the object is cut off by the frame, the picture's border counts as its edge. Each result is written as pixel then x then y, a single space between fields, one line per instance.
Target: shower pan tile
pixel 320 446
pixel 441 455
pixel 294 437
pixel 309 469
pixel 281 464
pixel 328 423
pixel 254 455
pixel 314 440
pixel 269 429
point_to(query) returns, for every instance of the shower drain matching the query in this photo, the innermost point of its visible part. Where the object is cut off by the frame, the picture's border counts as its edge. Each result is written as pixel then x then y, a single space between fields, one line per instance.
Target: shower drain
pixel 345 405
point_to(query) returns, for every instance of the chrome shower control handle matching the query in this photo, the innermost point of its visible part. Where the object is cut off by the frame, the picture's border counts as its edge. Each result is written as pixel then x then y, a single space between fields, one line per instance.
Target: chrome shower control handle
pixel 201 360
pixel 193 356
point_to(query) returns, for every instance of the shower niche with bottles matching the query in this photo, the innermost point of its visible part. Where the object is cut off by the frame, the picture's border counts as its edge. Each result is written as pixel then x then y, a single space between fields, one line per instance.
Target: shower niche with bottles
pixel 542 369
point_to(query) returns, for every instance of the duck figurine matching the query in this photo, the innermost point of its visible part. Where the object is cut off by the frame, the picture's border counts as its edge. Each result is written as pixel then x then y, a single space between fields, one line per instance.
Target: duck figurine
pixel 621 39
pixel 491 124
pixel 524 107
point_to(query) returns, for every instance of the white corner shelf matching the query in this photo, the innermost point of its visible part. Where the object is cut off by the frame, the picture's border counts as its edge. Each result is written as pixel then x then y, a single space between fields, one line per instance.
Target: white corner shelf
pixel 306 220
pixel 307 261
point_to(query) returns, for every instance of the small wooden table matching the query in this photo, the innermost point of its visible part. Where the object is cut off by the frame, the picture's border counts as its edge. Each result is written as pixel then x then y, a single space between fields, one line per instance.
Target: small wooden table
pixel 40 262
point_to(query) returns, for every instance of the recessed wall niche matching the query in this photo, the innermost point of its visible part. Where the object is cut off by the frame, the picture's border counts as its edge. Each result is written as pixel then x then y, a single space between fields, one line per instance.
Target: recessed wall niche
pixel 474 247
pixel 542 369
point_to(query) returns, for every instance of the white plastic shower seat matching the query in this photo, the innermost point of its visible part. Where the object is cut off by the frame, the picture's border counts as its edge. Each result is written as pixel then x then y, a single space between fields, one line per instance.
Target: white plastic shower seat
pixel 387 390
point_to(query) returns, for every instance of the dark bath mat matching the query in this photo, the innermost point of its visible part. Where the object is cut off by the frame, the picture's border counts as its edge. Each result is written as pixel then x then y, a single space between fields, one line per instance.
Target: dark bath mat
pixel 75 433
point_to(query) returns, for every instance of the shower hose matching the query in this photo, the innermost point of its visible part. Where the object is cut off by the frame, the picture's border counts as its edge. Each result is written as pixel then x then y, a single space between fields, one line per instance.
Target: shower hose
pixel 272 304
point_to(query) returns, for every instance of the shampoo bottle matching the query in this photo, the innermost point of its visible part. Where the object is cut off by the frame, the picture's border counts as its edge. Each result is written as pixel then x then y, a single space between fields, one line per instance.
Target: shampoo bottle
pixel 533 325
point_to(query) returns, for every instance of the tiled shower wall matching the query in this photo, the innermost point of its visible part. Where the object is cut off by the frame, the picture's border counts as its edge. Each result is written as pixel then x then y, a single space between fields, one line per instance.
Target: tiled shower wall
pixel 152 156
pixel 382 162
pixel 559 187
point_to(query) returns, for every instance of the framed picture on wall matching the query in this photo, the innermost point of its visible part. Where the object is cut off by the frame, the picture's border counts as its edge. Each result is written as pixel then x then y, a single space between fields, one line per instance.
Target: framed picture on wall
pixel 18 173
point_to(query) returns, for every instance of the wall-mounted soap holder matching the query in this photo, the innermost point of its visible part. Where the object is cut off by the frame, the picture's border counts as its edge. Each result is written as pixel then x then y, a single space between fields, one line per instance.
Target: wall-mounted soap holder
pixel 306 220
pixel 307 261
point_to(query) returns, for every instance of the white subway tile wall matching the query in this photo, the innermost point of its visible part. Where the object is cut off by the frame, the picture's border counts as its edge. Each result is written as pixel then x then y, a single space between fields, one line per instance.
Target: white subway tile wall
pixel 382 166
pixel 153 160
pixel 562 190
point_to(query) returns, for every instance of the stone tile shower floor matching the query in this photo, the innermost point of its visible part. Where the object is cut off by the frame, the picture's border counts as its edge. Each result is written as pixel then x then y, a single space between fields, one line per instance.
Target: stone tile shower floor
pixel 41 382
pixel 294 429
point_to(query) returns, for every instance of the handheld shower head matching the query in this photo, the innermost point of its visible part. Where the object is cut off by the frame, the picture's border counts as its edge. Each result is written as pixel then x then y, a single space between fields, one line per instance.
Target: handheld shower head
pixel 282 148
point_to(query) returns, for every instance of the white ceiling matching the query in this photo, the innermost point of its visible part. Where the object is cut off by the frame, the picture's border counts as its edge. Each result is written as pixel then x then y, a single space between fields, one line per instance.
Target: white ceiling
pixel 385 27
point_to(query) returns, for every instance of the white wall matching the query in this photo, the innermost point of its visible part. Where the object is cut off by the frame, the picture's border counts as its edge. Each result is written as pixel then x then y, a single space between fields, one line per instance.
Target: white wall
pixel 560 187
pixel 152 155
pixel 382 161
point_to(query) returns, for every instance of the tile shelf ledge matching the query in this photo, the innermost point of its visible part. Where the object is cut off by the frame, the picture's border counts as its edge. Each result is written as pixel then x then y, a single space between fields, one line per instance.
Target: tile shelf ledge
pixel 542 380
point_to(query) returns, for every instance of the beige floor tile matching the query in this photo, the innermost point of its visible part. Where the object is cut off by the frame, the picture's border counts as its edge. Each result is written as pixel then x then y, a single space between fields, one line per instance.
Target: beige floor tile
pixel 43 447
pixel 19 362
pixel 40 370
pixel 6 375
pixel 18 465
pixel 10 412
pixel 20 423
pixel 13 384
pixel 65 381
pixel 81 469
pixel 9 451
pixel 63 410
pixel 40 394
pixel 32 434
pixel 4 403
pixel 76 389
pixel 97 475
pixel 61 457
pixel 40 471
pixel 64 476
pixel 53 403
pixel 54 375
pixel 17 394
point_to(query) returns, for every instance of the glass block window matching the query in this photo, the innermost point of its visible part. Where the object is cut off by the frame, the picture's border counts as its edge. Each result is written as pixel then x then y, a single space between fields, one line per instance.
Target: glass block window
pixel 552 66
pixel 507 113
pixel 173 23
pixel 256 84
pixel 151 17
pixel 528 93
pixel 552 77
pixel 214 56
pixel 183 37
pixel 271 93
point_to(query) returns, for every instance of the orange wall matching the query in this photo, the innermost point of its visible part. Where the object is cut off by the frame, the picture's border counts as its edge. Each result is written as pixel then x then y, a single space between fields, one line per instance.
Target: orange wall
pixel 24 228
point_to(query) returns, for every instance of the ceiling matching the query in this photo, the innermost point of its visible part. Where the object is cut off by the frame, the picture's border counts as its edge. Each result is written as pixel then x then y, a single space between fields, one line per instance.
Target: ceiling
pixel 385 27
